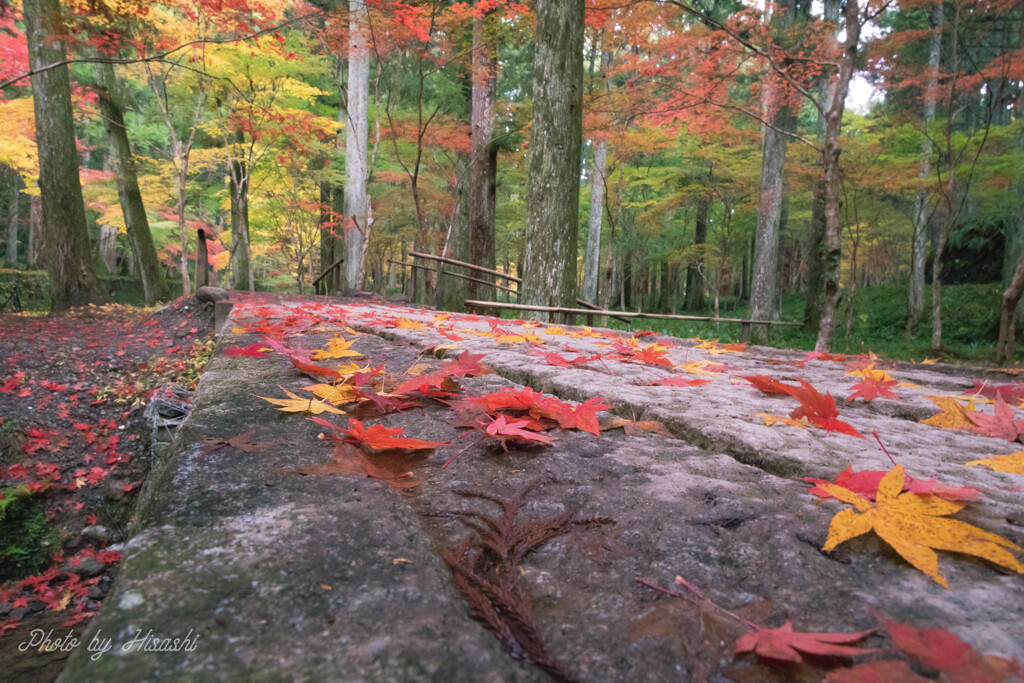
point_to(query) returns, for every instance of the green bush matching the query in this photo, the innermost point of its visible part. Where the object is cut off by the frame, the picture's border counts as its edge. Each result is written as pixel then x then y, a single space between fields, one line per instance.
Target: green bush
pixel 27 540
pixel 33 288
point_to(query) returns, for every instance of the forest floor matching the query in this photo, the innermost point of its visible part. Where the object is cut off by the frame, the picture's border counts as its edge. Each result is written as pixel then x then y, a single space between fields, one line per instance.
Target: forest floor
pixel 74 449
pixel 552 482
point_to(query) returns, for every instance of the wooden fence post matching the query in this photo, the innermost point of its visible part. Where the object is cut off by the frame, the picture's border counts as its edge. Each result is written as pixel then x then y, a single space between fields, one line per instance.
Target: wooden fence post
pixel 202 262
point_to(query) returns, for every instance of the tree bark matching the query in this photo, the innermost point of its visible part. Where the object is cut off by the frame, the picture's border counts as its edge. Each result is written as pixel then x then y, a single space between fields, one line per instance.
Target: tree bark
pixel 64 227
pixel 484 162
pixel 592 262
pixel 1008 315
pixel 242 271
pixel 357 203
pixel 12 223
pixel 452 291
pixel 832 252
pixel 136 222
pixel 694 277
pixel 773 162
pixel 203 261
pixel 919 241
pixel 555 146
pixel 815 248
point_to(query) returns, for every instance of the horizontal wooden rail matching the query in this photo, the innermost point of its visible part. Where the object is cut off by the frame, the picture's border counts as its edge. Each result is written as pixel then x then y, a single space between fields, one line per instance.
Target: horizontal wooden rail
pixel 463 264
pixel 744 322
pixel 327 270
pixel 483 282
pixel 413 265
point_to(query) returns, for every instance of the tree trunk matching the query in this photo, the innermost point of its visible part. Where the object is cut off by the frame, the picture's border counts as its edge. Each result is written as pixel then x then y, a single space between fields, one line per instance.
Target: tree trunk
pixel 186 286
pixel 592 262
pixel 12 223
pixel 832 252
pixel 483 165
pixel 1007 317
pixel 326 229
pixel 919 241
pixel 452 292
pixel 136 222
pixel 203 261
pixel 35 231
pixel 555 147
pixel 64 227
pixel 694 275
pixel 242 275
pixel 815 248
pixel 357 203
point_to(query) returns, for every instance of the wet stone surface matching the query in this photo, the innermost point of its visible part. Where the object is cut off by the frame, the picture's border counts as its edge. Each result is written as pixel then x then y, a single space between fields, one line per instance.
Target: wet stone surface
pixel 332 577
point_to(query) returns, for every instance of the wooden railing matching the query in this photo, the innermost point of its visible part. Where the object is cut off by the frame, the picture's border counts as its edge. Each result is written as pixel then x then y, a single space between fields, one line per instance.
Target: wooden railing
pixel 334 267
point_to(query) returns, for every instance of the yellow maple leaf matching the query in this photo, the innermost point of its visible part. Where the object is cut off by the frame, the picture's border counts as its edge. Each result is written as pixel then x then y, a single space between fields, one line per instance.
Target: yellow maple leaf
pixel 695 367
pixel 953 415
pixel 336 348
pixel 406 324
pixel 915 526
pixel 509 338
pixel 297 404
pixel 929 361
pixel 709 344
pixel 585 332
pixel 337 394
pixel 556 331
pixel 770 420
pixel 1010 462
pixel 65 600
pixel 870 372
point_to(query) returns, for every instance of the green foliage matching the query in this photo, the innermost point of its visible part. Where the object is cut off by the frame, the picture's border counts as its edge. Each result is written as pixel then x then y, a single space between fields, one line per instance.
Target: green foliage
pixel 27 539
pixel 33 288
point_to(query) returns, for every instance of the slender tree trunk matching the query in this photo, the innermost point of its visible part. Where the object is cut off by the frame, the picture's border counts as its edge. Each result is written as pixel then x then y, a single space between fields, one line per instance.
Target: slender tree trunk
pixel 66 239
pixel 1008 315
pixel 357 203
pixel 12 223
pixel 555 147
pixel 203 261
pixel 136 222
pixel 35 231
pixel 484 162
pixel 815 247
pixel 832 252
pixel 919 242
pixel 694 276
pixel 452 291
pixel 186 285
pixel 592 262
pixel 242 275
pixel 326 228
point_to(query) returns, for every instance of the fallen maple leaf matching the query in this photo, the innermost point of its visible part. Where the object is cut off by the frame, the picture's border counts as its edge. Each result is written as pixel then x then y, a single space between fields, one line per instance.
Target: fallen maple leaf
pixel 465 365
pixel 242 442
pixel 505 430
pixel 820 410
pixel 953 415
pixel 348 459
pixel 297 404
pixel 378 437
pixel 871 388
pixel 252 351
pixel 939 649
pixel 769 385
pixel 770 420
pixel 582 416
pixel 406 324
pixel 636 427
pixel 677 381
pixel 1010 462
pixel 881 671
pixel 702 367
pixel 865 483
pixel 785 644
pixel 1001 425
pixel 336 348
pixel 334 393
pixel 913 525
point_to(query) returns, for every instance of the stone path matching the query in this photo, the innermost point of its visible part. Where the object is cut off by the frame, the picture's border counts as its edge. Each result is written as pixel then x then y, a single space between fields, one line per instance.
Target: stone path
pixel 339 578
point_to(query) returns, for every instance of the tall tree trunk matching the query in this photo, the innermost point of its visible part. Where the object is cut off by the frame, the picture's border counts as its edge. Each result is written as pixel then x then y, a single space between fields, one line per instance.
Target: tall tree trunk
pixel 12 222
pixel 186 285
pixel 357 203
pixel 832 253
pixel 35 231
pixel 483 166
pixel 694 275
pixel 1008 314
pixel 452 292
pixel 136 222
pixel 592 262
pixel 242 273
pixel 325 224
pixel 919 241
pixel 555 146
pixel 815 248
pixel 65 235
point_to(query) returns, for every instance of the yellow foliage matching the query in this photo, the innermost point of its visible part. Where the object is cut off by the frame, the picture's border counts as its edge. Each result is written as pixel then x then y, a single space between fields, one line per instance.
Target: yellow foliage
pixel 1010 462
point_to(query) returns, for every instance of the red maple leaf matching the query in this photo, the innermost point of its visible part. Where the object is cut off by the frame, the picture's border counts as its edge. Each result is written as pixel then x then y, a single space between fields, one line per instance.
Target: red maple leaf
pixel 551 358
pixel 582 416
pixel 871 388
pixel 785 644
pixel 465 365
pixel 504 430
pixel 1001 425
pixel 939 649
pixel 379 437
pixel 769 385
pixel 819 410
pixel 865 484
pixel 679 381
pixel 252 351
